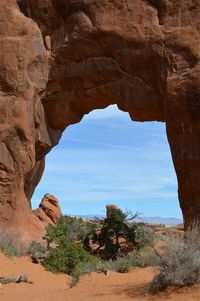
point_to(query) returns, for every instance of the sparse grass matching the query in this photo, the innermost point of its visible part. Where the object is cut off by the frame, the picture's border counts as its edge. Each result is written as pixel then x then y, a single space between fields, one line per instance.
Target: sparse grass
pixel 179 261
pixel 83 268
pixel 122 264
pixel 10 245
pixel 142 258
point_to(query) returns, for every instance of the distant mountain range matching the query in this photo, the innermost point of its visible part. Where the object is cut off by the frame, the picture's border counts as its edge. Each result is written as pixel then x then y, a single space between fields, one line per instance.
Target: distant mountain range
pixel 168 221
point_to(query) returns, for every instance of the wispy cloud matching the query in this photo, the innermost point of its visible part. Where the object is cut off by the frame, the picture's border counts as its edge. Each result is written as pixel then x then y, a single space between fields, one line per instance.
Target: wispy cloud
pixel 110 145
pixel 111 159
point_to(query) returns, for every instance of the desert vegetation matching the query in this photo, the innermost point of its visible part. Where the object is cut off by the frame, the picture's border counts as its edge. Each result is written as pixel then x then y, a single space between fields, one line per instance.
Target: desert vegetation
pixel 77 247
pixel 118 235
pixel 10 245
pixel 179 261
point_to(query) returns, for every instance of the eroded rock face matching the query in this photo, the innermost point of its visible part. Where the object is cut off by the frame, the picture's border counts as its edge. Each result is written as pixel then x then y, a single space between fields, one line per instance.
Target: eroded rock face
pixel 49 210
pixel 60 59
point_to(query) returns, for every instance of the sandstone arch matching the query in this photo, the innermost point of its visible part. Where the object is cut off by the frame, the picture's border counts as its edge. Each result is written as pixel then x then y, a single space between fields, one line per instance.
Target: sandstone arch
pixel 141 55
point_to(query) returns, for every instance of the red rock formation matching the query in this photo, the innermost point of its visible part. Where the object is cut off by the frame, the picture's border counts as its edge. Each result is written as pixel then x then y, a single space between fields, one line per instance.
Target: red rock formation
pixel 109 210
pixel 142 55
pixel 49 210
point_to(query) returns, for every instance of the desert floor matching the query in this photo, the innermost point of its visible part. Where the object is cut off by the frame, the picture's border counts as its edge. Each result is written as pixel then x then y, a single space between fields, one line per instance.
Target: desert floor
pixel 96 286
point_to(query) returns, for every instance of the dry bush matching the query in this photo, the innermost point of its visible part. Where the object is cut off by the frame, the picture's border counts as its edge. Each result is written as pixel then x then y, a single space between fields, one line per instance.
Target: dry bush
pixel 37 252
pixel 83 268
pixel 142 258
pixel 123 264
pixel 10 245
pixel 179 261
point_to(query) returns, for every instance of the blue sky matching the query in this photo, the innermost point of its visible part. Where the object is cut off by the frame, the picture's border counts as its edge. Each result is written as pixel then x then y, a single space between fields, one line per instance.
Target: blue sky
pixel 109 159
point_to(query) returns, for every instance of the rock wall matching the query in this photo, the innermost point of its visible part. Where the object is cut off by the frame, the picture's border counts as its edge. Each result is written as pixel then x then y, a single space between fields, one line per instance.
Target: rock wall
pixel 60 59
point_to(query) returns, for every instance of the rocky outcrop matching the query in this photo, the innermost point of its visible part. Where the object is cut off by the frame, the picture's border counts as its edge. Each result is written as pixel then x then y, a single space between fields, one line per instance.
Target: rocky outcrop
pixel 60 59
pixel 49 210
pixel 109 210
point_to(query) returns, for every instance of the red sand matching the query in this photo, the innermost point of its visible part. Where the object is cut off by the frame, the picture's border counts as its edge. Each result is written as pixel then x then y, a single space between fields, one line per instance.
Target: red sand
pixel 98 287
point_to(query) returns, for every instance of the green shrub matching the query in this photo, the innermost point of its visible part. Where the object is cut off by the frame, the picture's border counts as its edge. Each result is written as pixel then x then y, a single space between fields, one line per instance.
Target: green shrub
pixel 116 226
pixel 179 261
pixel 66 254
pixel 65 257
pixel 67 227
pixel 56 233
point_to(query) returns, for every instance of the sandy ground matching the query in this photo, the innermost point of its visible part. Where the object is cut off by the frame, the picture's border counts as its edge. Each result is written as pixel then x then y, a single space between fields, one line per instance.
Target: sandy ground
pixel 98 287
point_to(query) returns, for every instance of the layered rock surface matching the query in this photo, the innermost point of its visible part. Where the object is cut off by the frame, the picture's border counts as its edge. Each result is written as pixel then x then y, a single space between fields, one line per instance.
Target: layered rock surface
pixel 60 59
pixel 49 210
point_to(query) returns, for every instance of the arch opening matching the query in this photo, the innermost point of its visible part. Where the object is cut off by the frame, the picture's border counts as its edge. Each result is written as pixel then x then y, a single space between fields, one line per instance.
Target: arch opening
pixel 107 158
